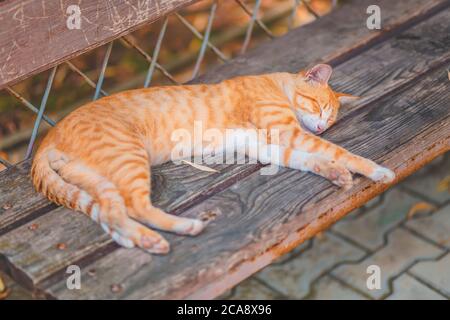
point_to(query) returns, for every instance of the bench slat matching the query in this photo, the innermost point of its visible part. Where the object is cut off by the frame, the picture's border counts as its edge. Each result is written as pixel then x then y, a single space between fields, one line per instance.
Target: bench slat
pixel 262 217
pixel 28 25
pixel 331 38
pixel 250 209
pixel 174 196
pixel 19 202
pixel 79 234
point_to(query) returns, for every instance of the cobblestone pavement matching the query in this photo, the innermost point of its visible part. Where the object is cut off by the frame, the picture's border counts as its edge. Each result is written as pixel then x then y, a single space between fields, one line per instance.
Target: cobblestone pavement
pixel 413 254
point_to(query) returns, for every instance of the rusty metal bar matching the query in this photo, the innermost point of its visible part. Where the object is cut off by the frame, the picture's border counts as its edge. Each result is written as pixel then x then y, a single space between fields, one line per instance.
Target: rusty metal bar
pixel 5 163
pixel 102 71
pixel 151 69
pixel 251 24
pixel 149 59
pixel 310 9
pixel 29 105
pixel 40 113
pixel 219 53
pixel 293 14
pixel 258 21
pixel 205 38
pixel 85 77
pixel 202 51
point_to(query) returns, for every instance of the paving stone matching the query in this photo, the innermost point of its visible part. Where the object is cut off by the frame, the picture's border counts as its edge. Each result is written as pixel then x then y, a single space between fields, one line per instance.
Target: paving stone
pixel 295 273
pixel 16 292
pixel 328 288
pixel 435 273
pixel 402 249
pixel 369 228
pixel 426 180
pixel 435 226
pixel 252 289
pixel 294 277
pixel 406 287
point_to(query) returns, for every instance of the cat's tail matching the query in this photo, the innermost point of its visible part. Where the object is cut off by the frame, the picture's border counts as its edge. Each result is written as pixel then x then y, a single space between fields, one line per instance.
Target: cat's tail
pixel 47 181
pixel 74 185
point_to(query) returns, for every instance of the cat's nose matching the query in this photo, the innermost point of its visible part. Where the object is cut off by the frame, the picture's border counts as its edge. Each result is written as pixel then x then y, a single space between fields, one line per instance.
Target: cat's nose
pixel 319 128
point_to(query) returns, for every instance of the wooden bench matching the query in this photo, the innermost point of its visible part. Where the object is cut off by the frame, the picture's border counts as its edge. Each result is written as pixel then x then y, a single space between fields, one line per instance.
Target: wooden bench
pixel 402 122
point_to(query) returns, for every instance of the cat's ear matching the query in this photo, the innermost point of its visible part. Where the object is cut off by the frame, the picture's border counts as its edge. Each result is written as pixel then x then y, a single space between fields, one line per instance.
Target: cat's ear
pixel 345 98
pixel 320 74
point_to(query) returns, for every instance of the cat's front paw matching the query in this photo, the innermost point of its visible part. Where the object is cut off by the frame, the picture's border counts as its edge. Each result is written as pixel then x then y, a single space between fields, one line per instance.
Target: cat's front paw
pixel 382 174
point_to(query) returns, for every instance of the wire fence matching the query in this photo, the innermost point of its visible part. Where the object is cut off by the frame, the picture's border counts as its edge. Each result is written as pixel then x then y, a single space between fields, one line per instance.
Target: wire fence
pixel 254 20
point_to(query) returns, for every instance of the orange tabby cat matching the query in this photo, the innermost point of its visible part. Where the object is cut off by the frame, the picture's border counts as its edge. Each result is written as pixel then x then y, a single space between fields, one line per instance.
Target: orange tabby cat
pixel 97 160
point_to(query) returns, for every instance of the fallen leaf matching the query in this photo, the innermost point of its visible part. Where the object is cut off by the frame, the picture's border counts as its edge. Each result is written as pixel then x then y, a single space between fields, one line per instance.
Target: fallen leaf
pixel 4 292
pixel 199 166
pixel 448 74
pixel 2 285
pixel 444 185
pixel 420 207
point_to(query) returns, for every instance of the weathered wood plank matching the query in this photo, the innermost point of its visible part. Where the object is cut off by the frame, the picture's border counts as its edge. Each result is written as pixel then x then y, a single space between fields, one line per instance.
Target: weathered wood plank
pixel 18 200
pixel 62 226
pixel 175 188
pixel 33 245
pixel 71 256
pixel 409 65
pixel 174 196
pixel 34 34
pixel 262 217
pixel 331 38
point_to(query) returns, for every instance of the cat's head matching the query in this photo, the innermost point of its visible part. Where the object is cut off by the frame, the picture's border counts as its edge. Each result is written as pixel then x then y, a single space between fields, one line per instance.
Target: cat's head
pixel 315 103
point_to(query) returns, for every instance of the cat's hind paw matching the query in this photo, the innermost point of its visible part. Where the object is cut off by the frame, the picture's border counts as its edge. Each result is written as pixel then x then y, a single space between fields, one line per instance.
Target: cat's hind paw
pixel 383 175
pixel 337 174
pixel 129 234
pixel 343 178
pixel 156 245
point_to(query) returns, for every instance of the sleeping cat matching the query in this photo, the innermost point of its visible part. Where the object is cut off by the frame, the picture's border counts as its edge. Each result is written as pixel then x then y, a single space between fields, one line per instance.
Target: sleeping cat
pixel 97 159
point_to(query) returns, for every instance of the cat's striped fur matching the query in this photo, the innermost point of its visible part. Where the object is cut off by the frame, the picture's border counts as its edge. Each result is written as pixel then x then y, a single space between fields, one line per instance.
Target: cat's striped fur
pixel 97 159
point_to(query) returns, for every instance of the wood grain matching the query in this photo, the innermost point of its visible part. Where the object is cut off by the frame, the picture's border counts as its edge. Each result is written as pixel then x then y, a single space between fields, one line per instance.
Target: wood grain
pixel 19 202
pixel 42 273
pixel 175 196
pixel 179 187
pixel 262 217
pixel 254 204
pixel 34 35
pixel 330 39
pixel 175 187
pixel 33 245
